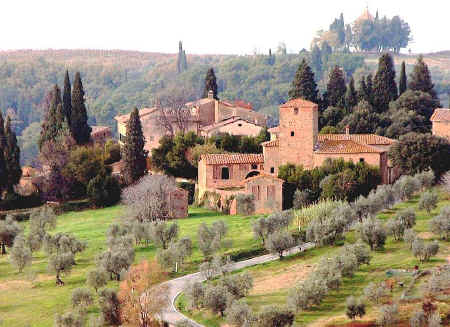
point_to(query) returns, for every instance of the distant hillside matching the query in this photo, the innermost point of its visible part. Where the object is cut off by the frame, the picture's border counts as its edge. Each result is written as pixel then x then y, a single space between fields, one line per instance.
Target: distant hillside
pixel 115 81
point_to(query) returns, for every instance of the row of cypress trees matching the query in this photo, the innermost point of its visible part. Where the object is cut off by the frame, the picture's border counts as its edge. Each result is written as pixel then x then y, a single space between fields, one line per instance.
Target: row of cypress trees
pixel 66 115
pixel 10 170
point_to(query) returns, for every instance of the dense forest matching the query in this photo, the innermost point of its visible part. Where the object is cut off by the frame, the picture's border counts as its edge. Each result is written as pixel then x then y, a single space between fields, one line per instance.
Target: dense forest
pixel 116 81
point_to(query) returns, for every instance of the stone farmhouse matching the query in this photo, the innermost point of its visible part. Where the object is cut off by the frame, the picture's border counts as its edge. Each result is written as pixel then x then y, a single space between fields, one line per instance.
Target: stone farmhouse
pixel 441 122
pixel 207 117
pixel 296 140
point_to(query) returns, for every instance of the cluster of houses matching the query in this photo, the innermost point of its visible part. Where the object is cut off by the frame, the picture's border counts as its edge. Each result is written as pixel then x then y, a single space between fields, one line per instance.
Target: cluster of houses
pixel 295 140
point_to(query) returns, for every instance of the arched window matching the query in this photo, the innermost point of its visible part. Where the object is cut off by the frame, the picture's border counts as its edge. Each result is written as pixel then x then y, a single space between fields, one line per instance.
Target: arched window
pixel 225 173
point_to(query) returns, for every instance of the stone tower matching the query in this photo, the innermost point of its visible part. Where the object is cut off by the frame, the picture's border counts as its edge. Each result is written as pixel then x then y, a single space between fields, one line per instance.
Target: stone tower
pixel 298 132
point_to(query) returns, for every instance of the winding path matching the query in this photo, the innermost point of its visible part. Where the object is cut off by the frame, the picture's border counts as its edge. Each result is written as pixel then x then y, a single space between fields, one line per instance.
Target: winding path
pixel 177 285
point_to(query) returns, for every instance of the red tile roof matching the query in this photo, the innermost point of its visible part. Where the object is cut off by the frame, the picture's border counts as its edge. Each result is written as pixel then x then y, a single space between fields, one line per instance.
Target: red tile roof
pixel 243 104
pixel 298 103
pixel 232 158
pixel 272 143
pixel 370 139
pixel 441 114
pixel 142 112
pixel 345 146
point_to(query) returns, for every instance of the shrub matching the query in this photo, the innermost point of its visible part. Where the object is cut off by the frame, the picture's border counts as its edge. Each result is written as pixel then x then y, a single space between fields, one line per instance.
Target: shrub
pixel 103 191
pixel 190 187
pixel 245 204
pixel 278 242
pixel 428 201
pixel 301 199
pixel 355 307
pixel 388 315
pixel 440 224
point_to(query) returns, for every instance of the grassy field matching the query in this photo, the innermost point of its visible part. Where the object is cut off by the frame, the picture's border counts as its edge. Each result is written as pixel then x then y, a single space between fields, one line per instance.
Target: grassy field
pixel 273 280
pixel 28 302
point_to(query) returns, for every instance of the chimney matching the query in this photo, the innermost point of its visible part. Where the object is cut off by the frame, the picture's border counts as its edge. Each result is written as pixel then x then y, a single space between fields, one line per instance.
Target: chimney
pixel 210 94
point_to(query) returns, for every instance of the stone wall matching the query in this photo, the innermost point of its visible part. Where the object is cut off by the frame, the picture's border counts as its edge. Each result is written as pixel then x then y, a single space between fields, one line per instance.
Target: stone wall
pixel 442 129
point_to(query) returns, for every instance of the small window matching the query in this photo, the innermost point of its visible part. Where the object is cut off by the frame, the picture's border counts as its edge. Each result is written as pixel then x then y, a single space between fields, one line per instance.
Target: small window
pixel 295 111
pixel 272 170
pixel 292 133
pixel 240 125
pixel 225 173
pixel 254 166
pixel 361 159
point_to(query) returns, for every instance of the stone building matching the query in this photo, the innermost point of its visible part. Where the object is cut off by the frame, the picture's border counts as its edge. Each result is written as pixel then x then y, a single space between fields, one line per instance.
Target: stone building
pixel 100 134
pixel 441 122
pixel 207 116
pixel 178 203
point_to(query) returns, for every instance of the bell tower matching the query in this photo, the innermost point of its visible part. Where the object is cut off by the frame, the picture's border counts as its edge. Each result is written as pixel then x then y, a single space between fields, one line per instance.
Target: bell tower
pixel 298 132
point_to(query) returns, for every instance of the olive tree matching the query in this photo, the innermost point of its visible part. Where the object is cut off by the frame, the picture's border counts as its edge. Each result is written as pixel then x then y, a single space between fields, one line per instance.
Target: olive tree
pixel 20 254
pixel 388 315
pixel 61 264
pixel 274 316
pixel 407 217
pixel 428 201
pixel 307 293
pixel 406 186
pixel 195 294
pixel 396 228
pixel 440 224
pixel 409 237
pixel 42 220
pixel 239 314
pixel 175 255
pixel 216 298
pixel 329 271
pixel 360 250
pixel 374 292
pixel 418 319
pixel 69 319
pixel 373 233
pixel 238 285
pixel 82 299
pixel 109 307
pixel 424 251
pixel 355 307
pixel 163 233
pixel 62 243
pixel 210 237
pixel 278 242
pixel 9 229
pixel 97 278
pixel 425 178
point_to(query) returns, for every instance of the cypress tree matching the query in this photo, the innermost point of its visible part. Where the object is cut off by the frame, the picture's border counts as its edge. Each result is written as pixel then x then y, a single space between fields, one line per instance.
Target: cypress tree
pixel 12 157
pixel 362 90
pixel 420 79
pixel 53 122
pixel 133 153
pixel 336 88
pixel 304 86
pixel 402 84
pixel 351 97
pixel 79 127
pixel 3 173
pixel 384 85
pixel 210 84
pixel 67 98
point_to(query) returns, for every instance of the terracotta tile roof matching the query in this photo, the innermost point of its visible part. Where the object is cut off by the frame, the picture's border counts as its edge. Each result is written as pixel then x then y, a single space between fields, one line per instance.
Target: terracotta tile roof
pixel 199 102
pixel 232 158
pixel 225 122
pixel 243 104
pixel 298 103
pixel 441 114
pixel 262 175
pixel 273 143
pixel 275 129
pixel 142 112
pixel 345 146
pixel 370 139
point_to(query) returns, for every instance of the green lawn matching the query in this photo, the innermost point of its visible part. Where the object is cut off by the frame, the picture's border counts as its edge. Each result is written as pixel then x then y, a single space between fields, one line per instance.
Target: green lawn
pixel 23 303
pixel 395 255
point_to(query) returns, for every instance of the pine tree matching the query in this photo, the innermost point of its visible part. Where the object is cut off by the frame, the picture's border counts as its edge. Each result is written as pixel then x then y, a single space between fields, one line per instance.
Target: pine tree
pixel 79 127
pixel 53 122
pixel 133 153
pixel 3 172
pixel 210 84
pixel 351 97
pixel 402 84
pixel 304 86
pixel 420 79
pixel 12 157
pixel 384 85
pixel 336 88
pixel 67 99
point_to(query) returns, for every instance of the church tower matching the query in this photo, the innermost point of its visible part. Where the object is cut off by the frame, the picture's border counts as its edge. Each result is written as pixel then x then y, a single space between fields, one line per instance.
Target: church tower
pixel 299 124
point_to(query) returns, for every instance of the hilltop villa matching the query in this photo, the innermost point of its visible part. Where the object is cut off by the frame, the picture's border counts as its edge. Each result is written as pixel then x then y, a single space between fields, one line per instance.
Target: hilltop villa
pixel 441 122
pixel 296 140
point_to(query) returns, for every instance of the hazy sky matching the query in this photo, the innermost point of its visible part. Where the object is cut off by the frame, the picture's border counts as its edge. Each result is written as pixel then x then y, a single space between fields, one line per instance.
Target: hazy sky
pixel 228 26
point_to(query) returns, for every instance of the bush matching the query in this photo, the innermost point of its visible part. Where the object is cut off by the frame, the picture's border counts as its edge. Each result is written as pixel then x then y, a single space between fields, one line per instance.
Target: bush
pixel 428 201
pixel 440 224
pixel 103 191
pixel 109 307
pixel 355 307
pixel 20 202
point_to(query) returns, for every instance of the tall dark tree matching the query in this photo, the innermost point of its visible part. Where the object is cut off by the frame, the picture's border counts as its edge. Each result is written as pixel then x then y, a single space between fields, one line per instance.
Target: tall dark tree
pixel 133 153
pixel 67 98
pixel 420 78
pixel 384 85
pixel 369 84
pixel 210 84
pixel 336 88
pixel 351 96
pixel 12 157
pixel 3 171
pixel 402 84
pixel 79 127
pixel 54 120
pixel 362 90
pixel 304 86
pixel 181 59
